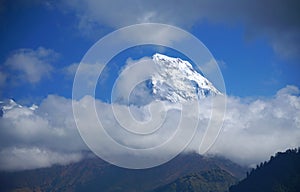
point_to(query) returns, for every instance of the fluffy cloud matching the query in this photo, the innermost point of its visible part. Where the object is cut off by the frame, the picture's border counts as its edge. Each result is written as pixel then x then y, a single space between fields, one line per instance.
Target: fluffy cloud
pixel 27 65
pixel 129 88
pixel 252 130
pixel 40 138
pixel 276 20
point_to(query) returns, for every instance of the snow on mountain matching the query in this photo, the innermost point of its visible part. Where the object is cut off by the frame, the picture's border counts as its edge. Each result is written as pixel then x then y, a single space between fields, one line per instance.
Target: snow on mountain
pixel 177 81
pixel 174 80
pixel 33 107
pixel 9 105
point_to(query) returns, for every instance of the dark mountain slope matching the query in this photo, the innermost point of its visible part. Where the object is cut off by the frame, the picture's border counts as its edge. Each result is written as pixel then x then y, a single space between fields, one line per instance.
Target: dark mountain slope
pixel 96 175
pixel 280 174
pixel 216 180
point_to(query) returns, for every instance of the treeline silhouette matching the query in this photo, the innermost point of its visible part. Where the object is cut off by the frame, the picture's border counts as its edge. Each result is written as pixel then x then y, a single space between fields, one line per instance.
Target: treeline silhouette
pixel 280 174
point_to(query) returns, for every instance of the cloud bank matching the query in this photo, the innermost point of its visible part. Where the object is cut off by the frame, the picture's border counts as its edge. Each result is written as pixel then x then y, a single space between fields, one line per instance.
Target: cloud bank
pixel 40 138
pixel 252 130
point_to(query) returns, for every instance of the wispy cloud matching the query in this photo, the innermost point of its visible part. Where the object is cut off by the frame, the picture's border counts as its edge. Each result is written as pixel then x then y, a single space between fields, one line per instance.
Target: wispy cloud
pixel 24 158
pixel 30 66
pixel 276 20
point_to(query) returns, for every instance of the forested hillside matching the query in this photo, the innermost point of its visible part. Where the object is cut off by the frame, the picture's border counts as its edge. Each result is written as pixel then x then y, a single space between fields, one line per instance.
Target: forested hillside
pixel 280 174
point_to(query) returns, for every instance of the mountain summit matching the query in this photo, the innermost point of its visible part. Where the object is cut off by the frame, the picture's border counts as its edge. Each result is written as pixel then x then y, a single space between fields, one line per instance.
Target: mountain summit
pixel 9 104
pixel 177 81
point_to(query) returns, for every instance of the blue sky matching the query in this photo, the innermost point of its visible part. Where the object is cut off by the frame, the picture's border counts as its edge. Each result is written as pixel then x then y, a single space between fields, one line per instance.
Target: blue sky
pixel 256 44
pixel 244 47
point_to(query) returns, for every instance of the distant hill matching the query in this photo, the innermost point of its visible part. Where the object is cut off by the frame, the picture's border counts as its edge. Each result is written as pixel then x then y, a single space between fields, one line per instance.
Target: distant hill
pixel 216 180
pixel 280 174
pixel 96 175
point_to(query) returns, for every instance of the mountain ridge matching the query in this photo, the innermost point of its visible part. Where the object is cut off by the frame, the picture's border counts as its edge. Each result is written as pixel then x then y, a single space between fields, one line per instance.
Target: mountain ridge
pixel 280 174
pixel 93 174
pixel 216 180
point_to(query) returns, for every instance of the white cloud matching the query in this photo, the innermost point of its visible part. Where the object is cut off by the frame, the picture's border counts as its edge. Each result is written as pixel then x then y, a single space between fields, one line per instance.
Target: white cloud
pixel 119 13
pixel 256 130
pixel 252 131
pixel 32 158
pixel 70 70
pixel 130 86
pixel 27 65
pixel 276 20
pixel 91 71
pixel 40 138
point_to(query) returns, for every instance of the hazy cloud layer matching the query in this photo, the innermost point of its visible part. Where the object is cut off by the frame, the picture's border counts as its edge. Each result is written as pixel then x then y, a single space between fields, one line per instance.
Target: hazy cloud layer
pixel 252 131
pixel 276 20
pixel 18 158
pixel 27 65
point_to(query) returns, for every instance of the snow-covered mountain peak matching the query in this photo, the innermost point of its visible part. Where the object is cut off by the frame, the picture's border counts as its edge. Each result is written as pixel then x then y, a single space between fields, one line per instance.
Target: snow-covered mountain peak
pixel 33 107
pixel 177 81
pixel 171 62
pixel 9 104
